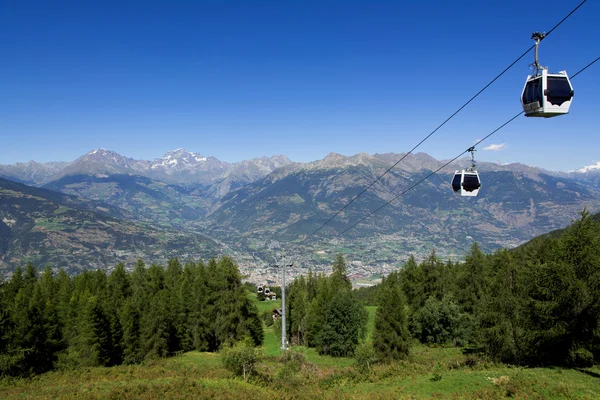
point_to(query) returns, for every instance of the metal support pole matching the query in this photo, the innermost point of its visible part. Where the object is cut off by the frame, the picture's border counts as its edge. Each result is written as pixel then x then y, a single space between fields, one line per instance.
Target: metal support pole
pixel 538 37
pixel 283 311
pixel 283 326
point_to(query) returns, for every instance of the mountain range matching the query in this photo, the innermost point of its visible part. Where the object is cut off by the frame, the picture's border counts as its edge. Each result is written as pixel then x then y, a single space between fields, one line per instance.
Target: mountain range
pixel 175 167
pixel 238 208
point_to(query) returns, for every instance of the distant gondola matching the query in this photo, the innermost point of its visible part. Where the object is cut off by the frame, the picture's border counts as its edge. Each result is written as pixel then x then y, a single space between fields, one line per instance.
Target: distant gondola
pixel 546 95
pixel 259 289
pixel 466 182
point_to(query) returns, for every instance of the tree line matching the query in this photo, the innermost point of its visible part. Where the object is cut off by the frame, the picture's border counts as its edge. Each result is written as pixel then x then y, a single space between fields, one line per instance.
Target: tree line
pixel 535 305
pixel 52 321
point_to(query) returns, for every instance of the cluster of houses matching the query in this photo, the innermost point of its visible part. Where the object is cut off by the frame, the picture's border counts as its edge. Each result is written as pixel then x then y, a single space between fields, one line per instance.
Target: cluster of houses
pixel 269 295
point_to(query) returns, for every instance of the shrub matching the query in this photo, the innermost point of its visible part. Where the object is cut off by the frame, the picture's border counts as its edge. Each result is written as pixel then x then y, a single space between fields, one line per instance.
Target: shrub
pixel 441 322
pixel 267 317
pixel 241 358
pixel 364 357
pixel 582 357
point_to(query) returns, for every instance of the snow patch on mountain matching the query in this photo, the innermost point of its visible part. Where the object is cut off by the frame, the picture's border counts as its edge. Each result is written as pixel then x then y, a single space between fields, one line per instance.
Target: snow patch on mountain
pixel 588 168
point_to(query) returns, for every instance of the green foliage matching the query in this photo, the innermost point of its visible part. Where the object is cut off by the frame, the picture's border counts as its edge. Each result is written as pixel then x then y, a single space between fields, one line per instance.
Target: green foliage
pixel 391 335
pixel 367 295
pixel 364 356
pixel 241 358
pixel 441 322
pixel 202 376
pixel 544 306
pixel 277 329
pixel 96 319
pixel 298 306
pixel 267 317
pixel 324 313
pixel 345 325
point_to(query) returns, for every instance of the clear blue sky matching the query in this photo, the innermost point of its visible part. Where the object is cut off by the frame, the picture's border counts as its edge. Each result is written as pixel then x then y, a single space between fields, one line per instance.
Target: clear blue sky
pixel 243 79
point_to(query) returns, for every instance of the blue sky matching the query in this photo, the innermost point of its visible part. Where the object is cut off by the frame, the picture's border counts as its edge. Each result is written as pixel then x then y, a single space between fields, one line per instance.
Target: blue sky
pixel 244 79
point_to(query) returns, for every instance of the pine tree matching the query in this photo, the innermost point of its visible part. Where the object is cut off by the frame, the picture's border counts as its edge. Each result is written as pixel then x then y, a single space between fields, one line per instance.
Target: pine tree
pixel 235 317
pixel 339 276
pixel 318 307
pixel 132 310
pixel 391 336
pixel 155 322
pixel 412 279
pixel 473 279
pixel 503 311
pixel 345 326
pixel 118 290
pixel 297 312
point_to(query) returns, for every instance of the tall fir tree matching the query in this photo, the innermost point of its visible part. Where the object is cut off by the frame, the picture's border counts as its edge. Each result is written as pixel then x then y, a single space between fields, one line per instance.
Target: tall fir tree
pixel 390 335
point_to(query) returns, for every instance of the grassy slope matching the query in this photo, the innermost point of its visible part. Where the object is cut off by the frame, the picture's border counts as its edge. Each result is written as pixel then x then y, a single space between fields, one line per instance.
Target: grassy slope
pixel 429 373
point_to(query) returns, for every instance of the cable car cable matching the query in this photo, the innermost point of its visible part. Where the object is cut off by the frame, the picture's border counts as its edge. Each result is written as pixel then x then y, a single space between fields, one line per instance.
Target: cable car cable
pixel 440 126
pixel 428 176
pixel 584 68
pixel 449 162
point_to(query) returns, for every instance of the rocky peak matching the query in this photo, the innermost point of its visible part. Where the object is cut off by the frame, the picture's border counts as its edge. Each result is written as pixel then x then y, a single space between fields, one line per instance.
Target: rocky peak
pixel 183 160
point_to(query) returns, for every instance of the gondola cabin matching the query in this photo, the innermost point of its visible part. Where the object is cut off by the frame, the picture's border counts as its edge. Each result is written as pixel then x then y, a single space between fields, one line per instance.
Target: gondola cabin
pixel 547 95
pixel 466 183
pixel 267 291
pixel 259 289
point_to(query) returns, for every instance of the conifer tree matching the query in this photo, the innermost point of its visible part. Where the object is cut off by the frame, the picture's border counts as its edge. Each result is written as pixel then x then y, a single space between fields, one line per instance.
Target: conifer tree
pixel 131 314
pixel 503 311
pixel 235 317
pixel 473 280
pixel 345 325
pixel 391 336
pixel 156 321
pixel 412 280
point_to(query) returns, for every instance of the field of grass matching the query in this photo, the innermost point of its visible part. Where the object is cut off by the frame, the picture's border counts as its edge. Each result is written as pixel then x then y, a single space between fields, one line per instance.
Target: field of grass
pixel 371 322
pixel 440 373
pixel 430 373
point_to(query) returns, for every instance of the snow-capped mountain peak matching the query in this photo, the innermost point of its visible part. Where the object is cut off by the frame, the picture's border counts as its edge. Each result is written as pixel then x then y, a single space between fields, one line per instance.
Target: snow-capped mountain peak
pixel 588 168
pixel 179 158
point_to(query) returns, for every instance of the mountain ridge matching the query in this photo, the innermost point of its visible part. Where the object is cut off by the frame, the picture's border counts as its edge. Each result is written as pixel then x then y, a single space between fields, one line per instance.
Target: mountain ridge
pixel 259 200
pixel 176 166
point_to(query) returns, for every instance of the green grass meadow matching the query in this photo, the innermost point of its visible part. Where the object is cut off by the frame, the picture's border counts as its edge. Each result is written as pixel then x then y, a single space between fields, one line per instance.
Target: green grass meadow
pixel 428 373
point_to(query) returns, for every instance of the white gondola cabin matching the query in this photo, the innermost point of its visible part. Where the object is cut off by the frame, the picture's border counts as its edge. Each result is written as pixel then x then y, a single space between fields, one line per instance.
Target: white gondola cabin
pixel 466 183
pixel 547 95
pixel 259 289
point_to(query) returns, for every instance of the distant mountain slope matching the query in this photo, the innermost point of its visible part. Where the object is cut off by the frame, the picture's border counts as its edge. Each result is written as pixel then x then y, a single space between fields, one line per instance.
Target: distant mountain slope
pixel 31 173
pixel 144 199
pixel 516 203
pixel 557 232
pixel 49 228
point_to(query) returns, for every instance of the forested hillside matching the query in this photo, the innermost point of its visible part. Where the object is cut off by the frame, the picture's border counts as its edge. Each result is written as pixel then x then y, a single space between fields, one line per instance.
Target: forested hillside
pixel 52 321
pixel 536 305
